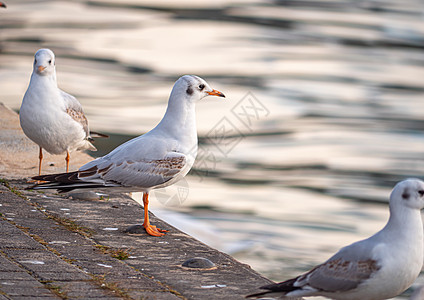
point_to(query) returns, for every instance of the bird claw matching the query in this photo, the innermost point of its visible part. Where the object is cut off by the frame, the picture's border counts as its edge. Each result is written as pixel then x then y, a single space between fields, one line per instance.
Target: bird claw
pixel 154 231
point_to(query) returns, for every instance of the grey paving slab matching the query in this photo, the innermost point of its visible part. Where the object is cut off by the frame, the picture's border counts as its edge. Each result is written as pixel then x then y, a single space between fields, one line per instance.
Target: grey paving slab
pixel 46 265
pixel 35 297
pixel 147 295
pixel 8 234
pixel 23 275
pixel 8 266
pixel 33 288
pixel 83 289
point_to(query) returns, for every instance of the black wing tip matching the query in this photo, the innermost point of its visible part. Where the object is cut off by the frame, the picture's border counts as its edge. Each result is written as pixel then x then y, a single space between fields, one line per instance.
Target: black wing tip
pixel 256 295
pixel 283 287
pixel 49 177
pixel 272 287
pixel 42 186
pixel 66 182
pixel 64 190
pixel 54 181
pixel 268 287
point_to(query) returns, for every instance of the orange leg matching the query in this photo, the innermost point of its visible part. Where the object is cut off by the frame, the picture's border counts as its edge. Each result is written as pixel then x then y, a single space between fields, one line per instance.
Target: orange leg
pixel 151 229
pixel 40 157
pixel 67 161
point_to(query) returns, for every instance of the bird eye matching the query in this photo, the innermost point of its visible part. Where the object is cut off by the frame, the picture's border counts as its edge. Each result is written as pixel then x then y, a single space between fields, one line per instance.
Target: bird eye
pixel 50 62
pixel 421 192
pixel 201 86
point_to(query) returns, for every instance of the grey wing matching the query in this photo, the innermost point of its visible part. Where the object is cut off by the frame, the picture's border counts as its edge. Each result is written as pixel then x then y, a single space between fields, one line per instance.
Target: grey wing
pixel 342 272
pixel 74 109
pixel 143 173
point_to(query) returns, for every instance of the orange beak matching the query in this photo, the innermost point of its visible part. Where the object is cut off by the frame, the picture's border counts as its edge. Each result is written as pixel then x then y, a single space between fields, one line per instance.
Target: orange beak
pixel 216 93
pixel 41 68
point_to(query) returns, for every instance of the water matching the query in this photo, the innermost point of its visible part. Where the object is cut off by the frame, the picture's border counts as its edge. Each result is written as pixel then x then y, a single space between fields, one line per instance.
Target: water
pixel 323 115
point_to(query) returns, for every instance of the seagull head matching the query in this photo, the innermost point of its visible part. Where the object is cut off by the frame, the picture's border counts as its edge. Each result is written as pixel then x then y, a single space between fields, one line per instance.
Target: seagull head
pixel 409 193
pixel 44 62
pixel 193 88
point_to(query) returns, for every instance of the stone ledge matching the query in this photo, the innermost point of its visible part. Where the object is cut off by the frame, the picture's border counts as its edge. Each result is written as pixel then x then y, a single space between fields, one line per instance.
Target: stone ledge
pixel 79 248
pixel 54 247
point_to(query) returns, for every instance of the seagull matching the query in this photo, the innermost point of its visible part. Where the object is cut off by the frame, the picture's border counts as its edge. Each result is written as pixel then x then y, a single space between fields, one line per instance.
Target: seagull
pixel 154 160
pixel 380 267
pixel 51 118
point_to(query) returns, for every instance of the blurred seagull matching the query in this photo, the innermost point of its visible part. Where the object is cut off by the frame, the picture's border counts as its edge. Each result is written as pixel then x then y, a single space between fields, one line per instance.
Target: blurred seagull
pixel 51 118
pixel 380 267
pixel 156 159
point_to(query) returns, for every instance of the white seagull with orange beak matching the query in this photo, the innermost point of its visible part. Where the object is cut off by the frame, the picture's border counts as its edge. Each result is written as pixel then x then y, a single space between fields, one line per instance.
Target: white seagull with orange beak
pixel 51 118
pixel 154 160
pixel 379 267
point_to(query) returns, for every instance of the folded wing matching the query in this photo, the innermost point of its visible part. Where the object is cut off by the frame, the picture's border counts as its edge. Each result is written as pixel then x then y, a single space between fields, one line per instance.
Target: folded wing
pixel 103 173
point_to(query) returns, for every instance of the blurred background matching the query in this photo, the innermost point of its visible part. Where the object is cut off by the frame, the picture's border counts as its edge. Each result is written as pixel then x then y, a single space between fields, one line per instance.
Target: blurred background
pixel 324 110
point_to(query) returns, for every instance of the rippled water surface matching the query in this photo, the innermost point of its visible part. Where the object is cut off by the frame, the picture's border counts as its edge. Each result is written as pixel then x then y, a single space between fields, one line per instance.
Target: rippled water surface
pixel 324 110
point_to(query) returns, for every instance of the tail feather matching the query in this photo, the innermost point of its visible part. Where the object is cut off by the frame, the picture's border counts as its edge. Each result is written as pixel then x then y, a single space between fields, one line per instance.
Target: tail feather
pixel 65 182
pixel 69 177
pixel 257 295
pixel 95 134
pixel 282 288
pixel 63 188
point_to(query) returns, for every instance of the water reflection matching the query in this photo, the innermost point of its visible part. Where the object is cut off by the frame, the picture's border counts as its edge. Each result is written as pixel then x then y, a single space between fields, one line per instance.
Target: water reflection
pixel 341 80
